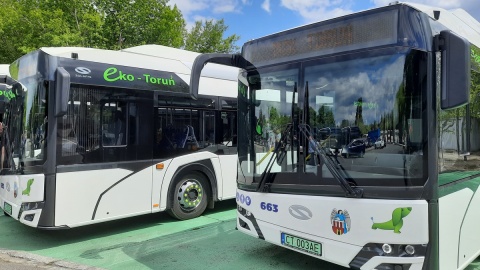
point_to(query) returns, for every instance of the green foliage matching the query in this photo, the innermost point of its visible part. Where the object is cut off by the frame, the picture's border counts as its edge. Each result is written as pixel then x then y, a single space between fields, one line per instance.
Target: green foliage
pixel 277 122
pixel 325 117
pixel 30 24
pixel 27 25
pixel 475 83
pixel 208 37
pixel 131 23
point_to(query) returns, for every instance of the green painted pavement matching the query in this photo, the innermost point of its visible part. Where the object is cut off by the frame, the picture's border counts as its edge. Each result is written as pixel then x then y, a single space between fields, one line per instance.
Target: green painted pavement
pixel 158 241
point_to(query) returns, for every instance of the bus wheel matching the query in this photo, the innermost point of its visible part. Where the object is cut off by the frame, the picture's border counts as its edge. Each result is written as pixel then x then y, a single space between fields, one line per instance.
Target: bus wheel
pixel 190 196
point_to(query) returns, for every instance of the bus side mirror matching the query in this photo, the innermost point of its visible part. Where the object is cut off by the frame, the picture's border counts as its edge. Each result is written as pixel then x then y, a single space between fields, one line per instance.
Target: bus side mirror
pixel 455 89
pixel 62 91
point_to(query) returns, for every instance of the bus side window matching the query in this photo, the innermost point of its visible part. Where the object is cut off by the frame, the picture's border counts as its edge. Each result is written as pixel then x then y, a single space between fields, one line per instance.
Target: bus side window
pixel 228 125
pixel 113 124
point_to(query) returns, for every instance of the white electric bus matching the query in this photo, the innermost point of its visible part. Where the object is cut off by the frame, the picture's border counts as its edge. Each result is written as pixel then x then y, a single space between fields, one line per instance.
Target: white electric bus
pixel 95 135
pixel 405 69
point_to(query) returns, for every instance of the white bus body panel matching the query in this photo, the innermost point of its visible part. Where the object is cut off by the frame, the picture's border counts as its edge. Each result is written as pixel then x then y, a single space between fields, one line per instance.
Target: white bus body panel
pixel 77 194
pixel 87 197
pixel 188 159
pixel 469 236
pixel 228 165
pixel 338 249
pixel 459 216
pixel 18 189
pixel 158 176
pixel 450 223
pixel 136 188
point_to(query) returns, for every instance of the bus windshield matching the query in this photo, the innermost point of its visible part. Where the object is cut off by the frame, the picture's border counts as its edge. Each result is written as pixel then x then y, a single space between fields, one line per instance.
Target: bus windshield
pixel 25 118
pixel 365 112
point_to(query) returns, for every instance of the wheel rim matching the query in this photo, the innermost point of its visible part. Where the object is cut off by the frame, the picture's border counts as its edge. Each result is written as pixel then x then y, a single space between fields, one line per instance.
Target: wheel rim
pixel 190 194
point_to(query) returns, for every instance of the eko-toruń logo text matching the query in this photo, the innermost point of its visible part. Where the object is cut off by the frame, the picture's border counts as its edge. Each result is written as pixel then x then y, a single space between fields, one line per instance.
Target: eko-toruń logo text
pixel 113 74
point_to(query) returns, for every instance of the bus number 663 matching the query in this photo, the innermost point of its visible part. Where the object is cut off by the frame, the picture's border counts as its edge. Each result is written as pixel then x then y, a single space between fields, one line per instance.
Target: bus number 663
pixel 269 206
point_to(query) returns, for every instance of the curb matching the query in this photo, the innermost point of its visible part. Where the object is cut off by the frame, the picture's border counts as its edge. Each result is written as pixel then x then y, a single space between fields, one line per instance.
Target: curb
pixel 37 261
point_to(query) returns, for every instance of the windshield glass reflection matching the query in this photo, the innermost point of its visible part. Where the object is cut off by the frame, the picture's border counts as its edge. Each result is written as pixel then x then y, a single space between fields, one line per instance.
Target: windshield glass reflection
pixel 365 111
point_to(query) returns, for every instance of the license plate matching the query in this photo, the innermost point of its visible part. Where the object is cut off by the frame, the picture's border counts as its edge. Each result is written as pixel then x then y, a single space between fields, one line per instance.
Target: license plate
pixel 302 244
pixel 7 208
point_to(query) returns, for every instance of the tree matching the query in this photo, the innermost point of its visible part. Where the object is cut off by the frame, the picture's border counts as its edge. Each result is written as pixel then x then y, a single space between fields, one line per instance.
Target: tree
pixel 30 24
pixel 132 23
pixel 325 117
pixel 208 37
pixel 27 25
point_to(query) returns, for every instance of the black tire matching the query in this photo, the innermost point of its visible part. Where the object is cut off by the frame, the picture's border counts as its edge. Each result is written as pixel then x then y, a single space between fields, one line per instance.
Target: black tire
pixel 362 154
pixel 189 196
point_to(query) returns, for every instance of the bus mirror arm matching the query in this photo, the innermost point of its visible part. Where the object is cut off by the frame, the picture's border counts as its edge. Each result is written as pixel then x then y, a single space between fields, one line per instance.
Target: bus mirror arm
pixel 455 69
pixel 62 91
pixel 233 60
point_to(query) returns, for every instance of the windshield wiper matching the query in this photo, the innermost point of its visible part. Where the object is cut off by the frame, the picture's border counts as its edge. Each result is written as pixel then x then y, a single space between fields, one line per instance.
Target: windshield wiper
pixel 332 166
pixel 263 184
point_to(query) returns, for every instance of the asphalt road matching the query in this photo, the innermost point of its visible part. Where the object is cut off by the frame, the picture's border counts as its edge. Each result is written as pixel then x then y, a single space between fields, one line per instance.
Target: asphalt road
pixel 154 241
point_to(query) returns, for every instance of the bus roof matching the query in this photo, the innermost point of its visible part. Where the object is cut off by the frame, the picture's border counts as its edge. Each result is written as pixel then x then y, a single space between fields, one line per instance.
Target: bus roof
pixel 457 20
pixel 4 69
pixel 152 57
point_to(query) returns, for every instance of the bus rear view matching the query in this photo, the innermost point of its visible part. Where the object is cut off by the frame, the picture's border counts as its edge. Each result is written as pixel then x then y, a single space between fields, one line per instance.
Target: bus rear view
pixel 309 99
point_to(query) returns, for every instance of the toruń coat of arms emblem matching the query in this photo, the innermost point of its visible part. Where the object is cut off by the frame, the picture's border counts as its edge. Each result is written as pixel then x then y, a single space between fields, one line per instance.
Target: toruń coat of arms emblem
pixel 340 220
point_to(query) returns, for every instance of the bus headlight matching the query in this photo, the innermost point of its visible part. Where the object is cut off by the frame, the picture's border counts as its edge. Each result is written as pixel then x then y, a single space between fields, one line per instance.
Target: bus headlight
pixel 409 249
pixel 387 248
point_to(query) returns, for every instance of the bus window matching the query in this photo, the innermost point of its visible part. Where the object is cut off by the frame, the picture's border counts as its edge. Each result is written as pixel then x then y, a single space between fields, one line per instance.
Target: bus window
pixel 228 125
pixel 177 131
pixel 113 124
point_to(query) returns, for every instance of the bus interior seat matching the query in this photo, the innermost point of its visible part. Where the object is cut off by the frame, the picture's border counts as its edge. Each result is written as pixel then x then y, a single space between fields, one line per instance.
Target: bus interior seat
pixel 182 137
pixel 120 139
pixel 191 136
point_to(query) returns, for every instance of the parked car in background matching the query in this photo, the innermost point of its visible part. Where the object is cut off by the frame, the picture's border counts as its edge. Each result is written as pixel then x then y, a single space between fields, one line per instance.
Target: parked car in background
pixel 368 142
pixel 354 148
pixel 380 143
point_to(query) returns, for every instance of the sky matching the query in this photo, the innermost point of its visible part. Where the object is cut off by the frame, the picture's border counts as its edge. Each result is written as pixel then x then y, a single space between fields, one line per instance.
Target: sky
pixel 251 19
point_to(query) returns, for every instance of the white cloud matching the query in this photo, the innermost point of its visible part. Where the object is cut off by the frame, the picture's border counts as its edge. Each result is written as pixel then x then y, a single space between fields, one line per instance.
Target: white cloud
pixel 216 6
pixel 378 88
pixel 192 8
pixel 189 6
pixel 318 10
pixel 266 6
pixel 225 6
